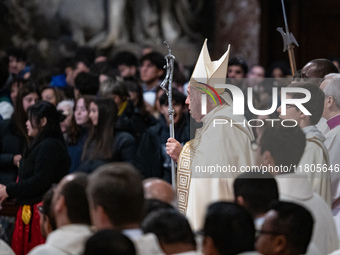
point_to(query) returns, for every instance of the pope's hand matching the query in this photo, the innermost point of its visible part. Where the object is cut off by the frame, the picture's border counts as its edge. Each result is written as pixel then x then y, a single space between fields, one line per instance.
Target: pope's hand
pixel 173 148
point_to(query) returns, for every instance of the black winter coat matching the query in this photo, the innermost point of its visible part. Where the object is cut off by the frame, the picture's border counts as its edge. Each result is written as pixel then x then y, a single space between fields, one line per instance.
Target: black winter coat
pixel 44 165
pixel 11 144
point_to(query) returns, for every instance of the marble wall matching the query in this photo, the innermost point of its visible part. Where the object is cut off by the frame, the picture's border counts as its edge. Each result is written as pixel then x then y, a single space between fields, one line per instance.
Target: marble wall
pixel 238 23
pixel 184 23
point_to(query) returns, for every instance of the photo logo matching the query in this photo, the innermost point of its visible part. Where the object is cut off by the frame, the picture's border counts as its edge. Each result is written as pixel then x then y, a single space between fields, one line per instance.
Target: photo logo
pixel 238 99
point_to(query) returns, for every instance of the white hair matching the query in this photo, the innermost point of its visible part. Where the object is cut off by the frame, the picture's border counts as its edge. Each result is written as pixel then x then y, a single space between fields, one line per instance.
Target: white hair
pixel 67 103
pixel 332 87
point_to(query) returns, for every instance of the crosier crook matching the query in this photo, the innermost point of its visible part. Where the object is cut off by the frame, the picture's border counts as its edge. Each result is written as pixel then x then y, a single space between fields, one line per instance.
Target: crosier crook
pixel 166 85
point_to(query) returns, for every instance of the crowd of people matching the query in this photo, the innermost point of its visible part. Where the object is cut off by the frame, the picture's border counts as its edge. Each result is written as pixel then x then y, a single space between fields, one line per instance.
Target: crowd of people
pixel 85 151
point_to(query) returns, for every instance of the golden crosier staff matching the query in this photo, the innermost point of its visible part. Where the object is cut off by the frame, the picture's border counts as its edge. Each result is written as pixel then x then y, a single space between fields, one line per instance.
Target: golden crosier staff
pixel 288 41
pixel 166 85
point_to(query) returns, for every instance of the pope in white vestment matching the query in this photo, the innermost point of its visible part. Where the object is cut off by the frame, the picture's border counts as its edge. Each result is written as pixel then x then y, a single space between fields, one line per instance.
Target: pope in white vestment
pixel 209 163
pixel 221 145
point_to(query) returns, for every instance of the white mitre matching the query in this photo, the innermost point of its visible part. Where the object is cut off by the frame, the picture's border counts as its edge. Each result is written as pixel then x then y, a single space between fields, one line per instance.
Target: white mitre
pixel 207 74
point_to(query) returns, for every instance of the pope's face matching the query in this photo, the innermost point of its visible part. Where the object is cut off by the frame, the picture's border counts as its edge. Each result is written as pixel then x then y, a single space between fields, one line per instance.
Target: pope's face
pixel 194 104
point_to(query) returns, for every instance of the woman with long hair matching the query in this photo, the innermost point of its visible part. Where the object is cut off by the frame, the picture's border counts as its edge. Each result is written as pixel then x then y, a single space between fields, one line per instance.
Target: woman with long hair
pixel 14 87
pixel 45 161
pixel 13 133
pixel 77 132
pixel 136 96
pixel 105 144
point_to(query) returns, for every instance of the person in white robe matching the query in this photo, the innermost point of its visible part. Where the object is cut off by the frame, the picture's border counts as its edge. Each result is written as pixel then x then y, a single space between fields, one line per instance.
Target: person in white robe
pixel 280 146
pixel 208 164
pixel 315 160
pixel 331 88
